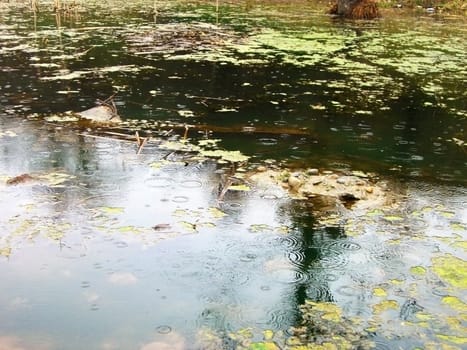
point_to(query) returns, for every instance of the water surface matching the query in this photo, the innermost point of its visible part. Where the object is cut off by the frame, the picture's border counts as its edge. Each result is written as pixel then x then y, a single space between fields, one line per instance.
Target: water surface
pixel 107 249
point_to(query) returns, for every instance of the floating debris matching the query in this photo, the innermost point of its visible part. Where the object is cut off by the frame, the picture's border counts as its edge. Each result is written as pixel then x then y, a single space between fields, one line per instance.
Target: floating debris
pixel 105 112
pixel 23 178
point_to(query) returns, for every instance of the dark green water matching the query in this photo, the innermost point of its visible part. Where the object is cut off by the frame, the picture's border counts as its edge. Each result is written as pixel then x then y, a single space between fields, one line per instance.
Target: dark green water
pixel 81 264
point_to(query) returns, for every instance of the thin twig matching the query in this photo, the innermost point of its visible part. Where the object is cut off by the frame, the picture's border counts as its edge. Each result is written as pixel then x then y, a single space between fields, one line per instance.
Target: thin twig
pixel 102 137
pixel 141 141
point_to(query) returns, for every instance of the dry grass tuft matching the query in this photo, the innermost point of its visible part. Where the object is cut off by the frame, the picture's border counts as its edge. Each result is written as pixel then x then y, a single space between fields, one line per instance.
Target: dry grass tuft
pixel 363 9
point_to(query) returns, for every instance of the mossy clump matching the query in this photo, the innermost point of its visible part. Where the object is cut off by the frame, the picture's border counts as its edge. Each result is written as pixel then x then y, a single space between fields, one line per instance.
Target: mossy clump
pixel 323 324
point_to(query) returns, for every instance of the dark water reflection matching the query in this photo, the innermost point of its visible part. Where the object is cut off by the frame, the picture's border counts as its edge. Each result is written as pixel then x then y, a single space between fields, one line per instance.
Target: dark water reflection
pixel 107 249
pixel 378 117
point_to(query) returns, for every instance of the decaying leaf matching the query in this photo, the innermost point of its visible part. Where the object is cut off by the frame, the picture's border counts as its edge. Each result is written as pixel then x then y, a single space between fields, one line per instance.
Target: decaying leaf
pixel 23 178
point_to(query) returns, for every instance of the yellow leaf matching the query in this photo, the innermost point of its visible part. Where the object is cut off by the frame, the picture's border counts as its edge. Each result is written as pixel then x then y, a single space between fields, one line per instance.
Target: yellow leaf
pixel 216 213
pixel 451 269
pixel 112 210
pixel 379 292
pixel 455 303
pixel 239 188
pixel 385 305
pixel 417 270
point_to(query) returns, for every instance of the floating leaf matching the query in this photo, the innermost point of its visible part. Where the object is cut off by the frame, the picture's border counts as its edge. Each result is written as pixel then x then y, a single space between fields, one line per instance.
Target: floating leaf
pixel 260 228
pixel 182 146
pixel 263 346
pixel 244 188
pixel 206 224
pixel 456 323
pixel 455 226
pixel 180 212
pixel 379 292
pixel 226 109
pixel 451 269
pixel 328 311
pixel 393 218
pixel 129 229
pixel 423 316
pixel 268 334
pixel 418 270
pixel 159 164
pixel 208 142
pixel 66 76
pixel 229 156
pixel 455 303
pixel 186 113
pixel 112 210
pixel 216 213
pixel 55 179
pixel 396 282
pixel 188 226
pixel 453 338
pixel 318 107
pixel 460 244
pixel 55 234
pixel 5 251
pixel 385 305
pixel 245 333
pixel 447 214
pixel 283 229
pixel 459 142
pixel 62 118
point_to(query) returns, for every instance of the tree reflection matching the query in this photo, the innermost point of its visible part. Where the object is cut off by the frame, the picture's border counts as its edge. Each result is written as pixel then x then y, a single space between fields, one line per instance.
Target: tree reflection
pixel 309 242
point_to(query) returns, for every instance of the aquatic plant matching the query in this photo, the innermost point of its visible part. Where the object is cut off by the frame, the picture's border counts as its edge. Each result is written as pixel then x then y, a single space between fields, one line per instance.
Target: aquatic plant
pixel 323 324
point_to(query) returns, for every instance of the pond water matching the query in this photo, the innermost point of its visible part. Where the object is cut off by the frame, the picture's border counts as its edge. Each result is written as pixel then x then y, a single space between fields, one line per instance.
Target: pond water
pixel 104 248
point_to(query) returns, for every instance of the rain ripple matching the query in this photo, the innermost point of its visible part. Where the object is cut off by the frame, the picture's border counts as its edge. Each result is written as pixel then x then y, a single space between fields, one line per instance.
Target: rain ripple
pixel 296 258
pixel 333 259
pixel 291 242
pixel 213 318
pixel 267 141
pixel 231 206
pixel 180 199
pixel 163 329
pixel 288 275
pixel 391 257
pixel 280 318
pixel 319 291
pixel 381 344
pixel 349 291
pixel 158 182
pixel 248 257
pixel 191 184
pixel 344 246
